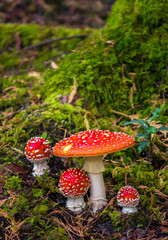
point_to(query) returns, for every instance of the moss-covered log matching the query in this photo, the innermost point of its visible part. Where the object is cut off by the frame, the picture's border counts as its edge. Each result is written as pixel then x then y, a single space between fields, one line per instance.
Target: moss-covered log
pixel 122 65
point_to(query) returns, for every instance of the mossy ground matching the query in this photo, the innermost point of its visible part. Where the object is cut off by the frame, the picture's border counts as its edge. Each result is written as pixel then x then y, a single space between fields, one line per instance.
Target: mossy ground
pixel 118 73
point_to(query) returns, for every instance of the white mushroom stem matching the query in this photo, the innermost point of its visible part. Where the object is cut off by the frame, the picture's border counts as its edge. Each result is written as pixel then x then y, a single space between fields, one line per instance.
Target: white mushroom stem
pixel 75 204
pixel 40 168
pixel 95 166
pixel 129 210
pixel 97 191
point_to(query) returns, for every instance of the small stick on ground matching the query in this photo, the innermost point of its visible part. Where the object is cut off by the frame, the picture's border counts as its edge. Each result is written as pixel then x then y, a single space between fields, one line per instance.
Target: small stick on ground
pixel 55 40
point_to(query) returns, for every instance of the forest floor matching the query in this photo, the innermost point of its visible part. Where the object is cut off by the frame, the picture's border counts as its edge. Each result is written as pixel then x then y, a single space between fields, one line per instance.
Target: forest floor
pixel 49 218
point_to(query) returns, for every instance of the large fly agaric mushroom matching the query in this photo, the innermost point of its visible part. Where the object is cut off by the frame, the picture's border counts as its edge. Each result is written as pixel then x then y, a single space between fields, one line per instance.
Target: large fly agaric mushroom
pixel 128 198
pixel 74 184
pixel 92 144
pixel 38 151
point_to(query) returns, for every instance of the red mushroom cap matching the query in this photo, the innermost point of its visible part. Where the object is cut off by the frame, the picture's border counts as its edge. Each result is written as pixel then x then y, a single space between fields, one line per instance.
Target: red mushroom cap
pixel 93 143
pixel 74 183
pixel 37 149
pixel 128 196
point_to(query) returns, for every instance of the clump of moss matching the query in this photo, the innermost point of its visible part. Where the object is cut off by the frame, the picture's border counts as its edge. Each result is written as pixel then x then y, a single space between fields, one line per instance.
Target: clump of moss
pixel 120 66
pixel 32 204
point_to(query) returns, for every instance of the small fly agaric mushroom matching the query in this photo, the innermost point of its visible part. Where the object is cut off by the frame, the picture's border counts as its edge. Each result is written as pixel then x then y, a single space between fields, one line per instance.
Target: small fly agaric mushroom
pixel 92 144
pixel 74 184
pixel 38 151
pixel 128 198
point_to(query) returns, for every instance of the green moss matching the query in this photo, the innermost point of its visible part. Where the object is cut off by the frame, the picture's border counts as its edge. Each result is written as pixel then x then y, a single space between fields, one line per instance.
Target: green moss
pixel 16 37
pixel 40 209
pixel 12 183
pixel 164 181
pixel 33 205
pixel 130 49
pixel 116 218
pixel 137 174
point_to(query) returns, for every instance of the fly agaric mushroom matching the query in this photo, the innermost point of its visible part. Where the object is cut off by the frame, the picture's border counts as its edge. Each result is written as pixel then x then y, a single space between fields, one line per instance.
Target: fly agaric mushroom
pixel 128 198
pixel 38 151
pixel 92 144
pixel 74 184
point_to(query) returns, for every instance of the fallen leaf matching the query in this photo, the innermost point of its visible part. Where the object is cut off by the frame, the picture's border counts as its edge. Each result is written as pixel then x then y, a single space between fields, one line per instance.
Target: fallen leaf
pixel 164 229
pixel 110 42
pixel 54 65
pixel 34 74
pixel 3 213
pixel 156 191
pixel 86 121
pixel 2 202
pixel 73 92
